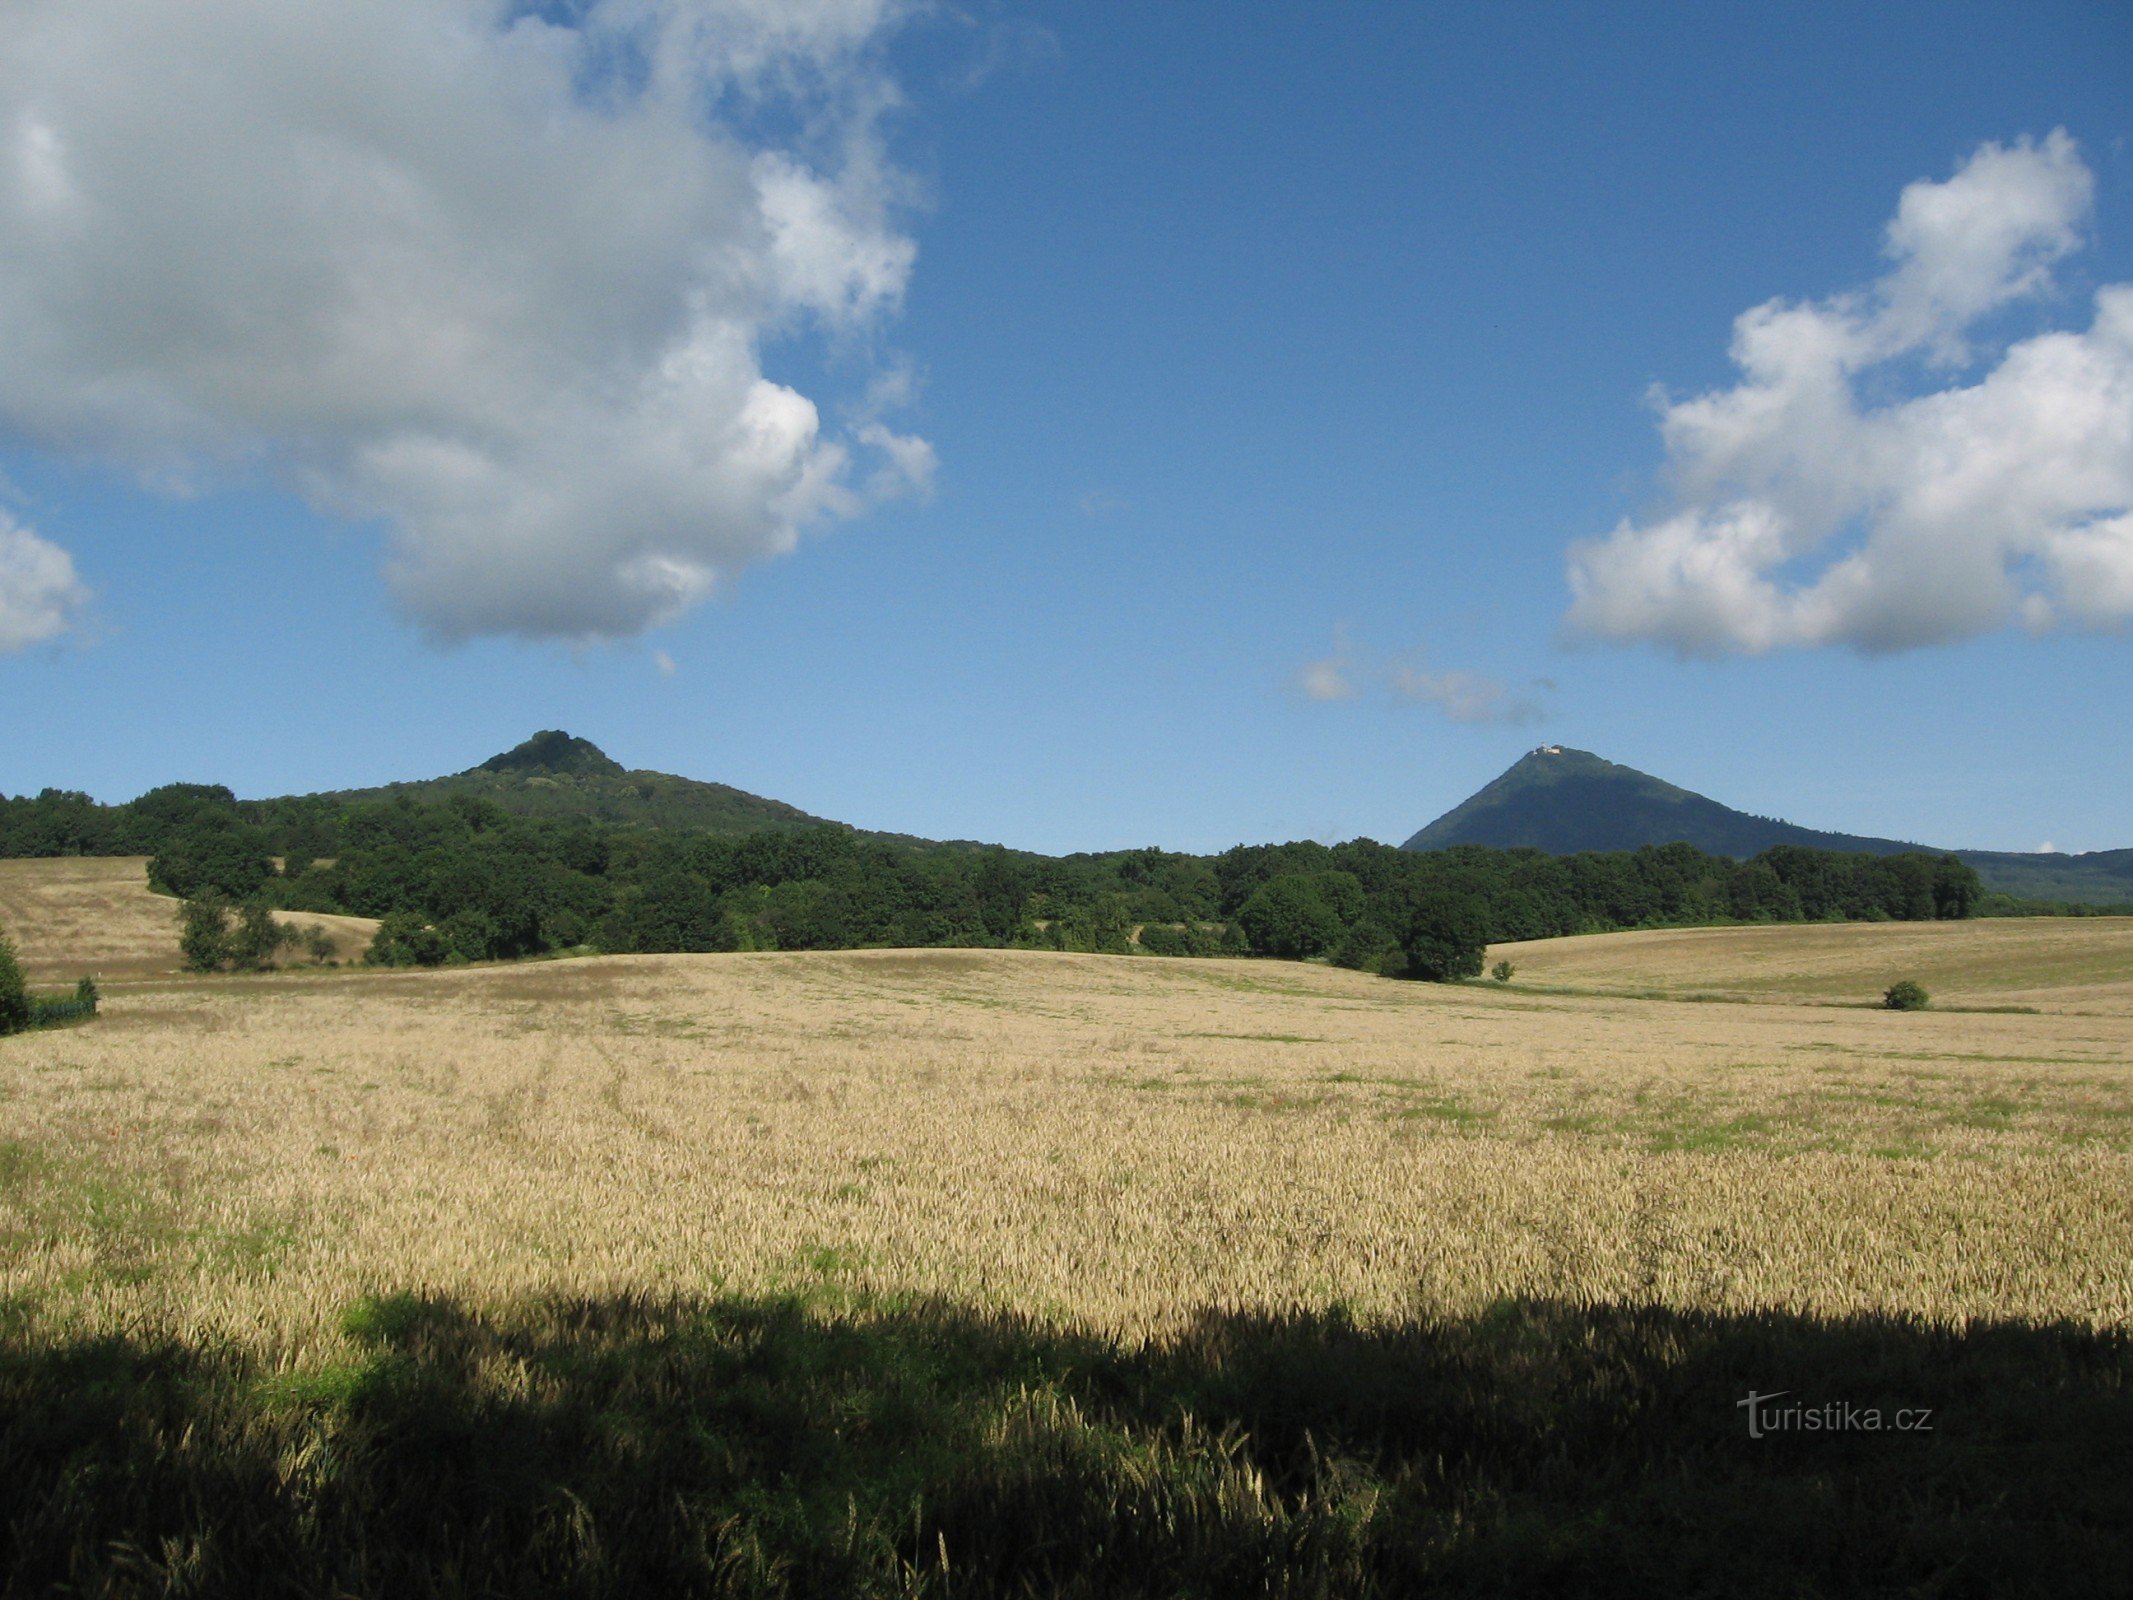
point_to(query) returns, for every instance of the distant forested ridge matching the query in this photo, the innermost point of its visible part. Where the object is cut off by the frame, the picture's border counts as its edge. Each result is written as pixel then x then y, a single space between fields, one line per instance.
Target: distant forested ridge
pixel 456 875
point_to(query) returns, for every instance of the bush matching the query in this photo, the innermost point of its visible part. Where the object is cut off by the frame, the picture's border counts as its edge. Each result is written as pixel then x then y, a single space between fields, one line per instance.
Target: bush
pixel 48 1013
pixel 405 940
pixel 257 938
pixel 1291 916
pixel 1164 939
pixel 1445 938
pixel 1904 995
pixel 14 994
pixel 1502 971
pixel 204 934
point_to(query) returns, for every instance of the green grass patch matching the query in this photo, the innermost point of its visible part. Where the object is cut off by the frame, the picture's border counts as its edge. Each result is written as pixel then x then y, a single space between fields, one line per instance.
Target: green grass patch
pixel 1990 1060
pixel 1274 1101
pixel 1726 1133
pixel 1262 1038
pixel 257 1250
pixel 634 1445
pixel 1445 1109
pixel 1906 1150
pixel 1988 1111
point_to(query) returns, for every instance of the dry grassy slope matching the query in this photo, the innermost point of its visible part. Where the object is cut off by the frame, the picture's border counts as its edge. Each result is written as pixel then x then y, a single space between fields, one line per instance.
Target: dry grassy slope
pixel 2053 963
pixel 96 915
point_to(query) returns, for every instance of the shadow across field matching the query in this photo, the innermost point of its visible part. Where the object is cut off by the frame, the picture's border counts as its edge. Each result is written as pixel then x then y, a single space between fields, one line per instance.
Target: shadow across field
pixel 776 1447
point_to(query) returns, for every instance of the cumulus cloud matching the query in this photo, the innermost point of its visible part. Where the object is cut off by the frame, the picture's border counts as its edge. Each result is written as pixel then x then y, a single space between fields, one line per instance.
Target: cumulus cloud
pixel 1465 696
pixel 1462 696
pixel 499 281
pixel 39 592
pixel 1810 511
pixel 1331 677
pixel 1326 680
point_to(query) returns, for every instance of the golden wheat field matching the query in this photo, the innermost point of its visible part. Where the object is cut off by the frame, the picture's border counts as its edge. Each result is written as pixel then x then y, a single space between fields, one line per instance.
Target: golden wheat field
pixel 95 915
pixel 2050 963
pixel 1109 1142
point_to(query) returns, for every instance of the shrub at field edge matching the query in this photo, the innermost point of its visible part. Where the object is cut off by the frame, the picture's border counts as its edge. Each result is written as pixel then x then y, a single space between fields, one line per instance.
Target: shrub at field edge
pixel 1905 995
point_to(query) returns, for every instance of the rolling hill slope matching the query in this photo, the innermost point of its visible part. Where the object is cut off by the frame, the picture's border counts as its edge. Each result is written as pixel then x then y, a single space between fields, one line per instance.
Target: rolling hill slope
pixel 71 915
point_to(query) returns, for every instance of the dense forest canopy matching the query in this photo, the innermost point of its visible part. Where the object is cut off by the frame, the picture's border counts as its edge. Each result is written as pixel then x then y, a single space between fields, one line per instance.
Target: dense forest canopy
pixel 466 879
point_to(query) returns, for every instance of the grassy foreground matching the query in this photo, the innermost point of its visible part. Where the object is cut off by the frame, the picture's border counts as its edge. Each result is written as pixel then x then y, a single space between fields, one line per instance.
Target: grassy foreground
pixel 773 1447
pixel 987 1273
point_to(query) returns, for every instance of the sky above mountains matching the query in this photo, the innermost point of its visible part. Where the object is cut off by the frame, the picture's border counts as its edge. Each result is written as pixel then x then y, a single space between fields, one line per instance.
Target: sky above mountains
pixel 1077 426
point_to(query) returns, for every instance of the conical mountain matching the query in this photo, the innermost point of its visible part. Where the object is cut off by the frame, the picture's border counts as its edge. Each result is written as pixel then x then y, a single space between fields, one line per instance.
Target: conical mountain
pixel 1563 801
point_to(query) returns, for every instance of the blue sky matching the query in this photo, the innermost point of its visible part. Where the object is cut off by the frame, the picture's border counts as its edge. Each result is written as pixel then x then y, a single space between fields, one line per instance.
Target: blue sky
pixel 1167 364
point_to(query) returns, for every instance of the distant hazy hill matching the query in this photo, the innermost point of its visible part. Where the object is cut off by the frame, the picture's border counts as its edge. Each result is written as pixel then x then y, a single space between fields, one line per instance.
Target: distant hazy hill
pixel 2097 878
pixel 1564 801
pixel 555 775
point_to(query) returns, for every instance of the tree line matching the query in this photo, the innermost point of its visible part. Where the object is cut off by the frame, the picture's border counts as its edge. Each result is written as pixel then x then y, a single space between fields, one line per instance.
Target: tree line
pixel 467 880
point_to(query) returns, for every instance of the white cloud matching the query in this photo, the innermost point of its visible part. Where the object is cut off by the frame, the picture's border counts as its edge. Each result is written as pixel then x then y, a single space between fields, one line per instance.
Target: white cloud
pixel 1465 696
pixel 500 282
pixel 664 663
pixel 1326 680
pixel 1806 515
pixel 39 592
pixel 1332 677
pixel 1461 696
pixel 1010 45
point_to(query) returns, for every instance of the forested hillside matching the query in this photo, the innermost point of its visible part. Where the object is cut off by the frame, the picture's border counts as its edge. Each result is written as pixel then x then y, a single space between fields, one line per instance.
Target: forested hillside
pixel 455 874
pixel 555 775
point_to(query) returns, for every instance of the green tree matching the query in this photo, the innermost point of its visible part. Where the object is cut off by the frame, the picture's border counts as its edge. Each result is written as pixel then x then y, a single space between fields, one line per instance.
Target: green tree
pixel 469 935
pixel 403 939
pixel 214 854
pixel 1444 937
pixel 1289 916
pixel 672 909
pixel 1367 945
pixel 1956 889
pixel 257 937
pixel 14 993
pixel 204 934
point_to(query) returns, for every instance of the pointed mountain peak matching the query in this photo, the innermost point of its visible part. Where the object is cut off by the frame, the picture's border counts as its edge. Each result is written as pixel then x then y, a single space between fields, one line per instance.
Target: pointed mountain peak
pixel 1564 801
pixel 557 754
